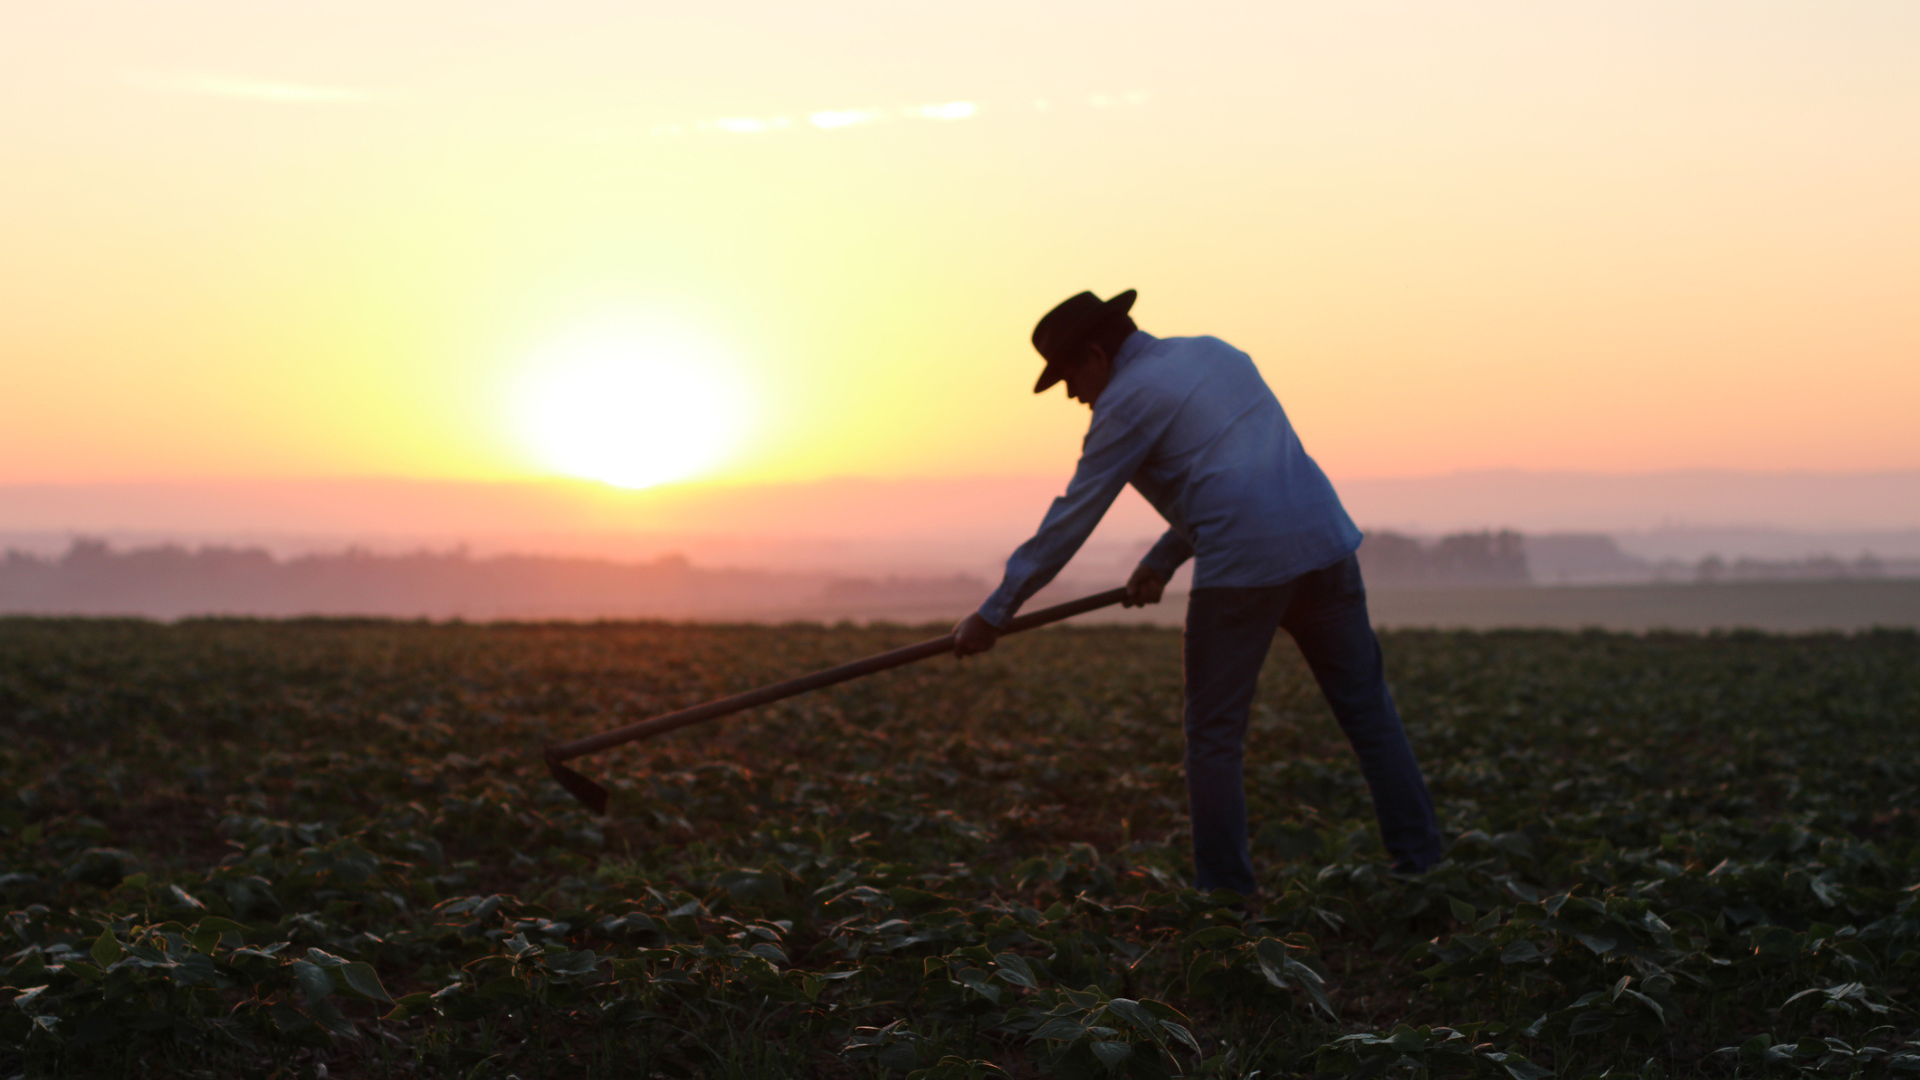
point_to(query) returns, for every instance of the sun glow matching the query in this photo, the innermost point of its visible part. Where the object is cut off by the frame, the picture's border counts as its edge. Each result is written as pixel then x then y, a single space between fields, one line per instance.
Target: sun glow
pixel 630 409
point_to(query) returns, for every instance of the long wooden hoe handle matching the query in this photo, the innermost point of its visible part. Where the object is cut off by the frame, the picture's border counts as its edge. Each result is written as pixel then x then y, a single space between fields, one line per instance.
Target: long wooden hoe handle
pixel 595 796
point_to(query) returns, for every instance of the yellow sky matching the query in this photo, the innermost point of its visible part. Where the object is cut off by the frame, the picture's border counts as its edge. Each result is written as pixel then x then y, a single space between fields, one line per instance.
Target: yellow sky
pixel 341 239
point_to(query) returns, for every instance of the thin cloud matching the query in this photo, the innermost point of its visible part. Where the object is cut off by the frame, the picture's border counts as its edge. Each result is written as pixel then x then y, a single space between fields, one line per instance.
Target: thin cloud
pixel 207 85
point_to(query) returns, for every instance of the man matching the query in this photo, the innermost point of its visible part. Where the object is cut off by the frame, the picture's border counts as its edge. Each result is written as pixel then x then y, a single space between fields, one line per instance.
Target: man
pixel 1192 426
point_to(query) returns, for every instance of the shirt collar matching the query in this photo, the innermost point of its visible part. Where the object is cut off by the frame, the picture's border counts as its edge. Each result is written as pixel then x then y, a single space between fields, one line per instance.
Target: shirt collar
pixel 1137 342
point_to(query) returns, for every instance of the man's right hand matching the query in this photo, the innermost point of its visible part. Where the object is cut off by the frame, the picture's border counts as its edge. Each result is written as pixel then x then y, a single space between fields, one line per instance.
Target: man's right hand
pixel 974 635
pixel 1144 587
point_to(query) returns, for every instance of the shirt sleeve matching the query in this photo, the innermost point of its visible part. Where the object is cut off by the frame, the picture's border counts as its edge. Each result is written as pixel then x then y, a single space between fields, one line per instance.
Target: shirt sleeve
pixel 1168 554
pixel 1114 450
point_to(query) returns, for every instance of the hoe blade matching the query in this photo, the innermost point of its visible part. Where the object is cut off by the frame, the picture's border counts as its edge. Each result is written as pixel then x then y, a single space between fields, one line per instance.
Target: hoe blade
pixel 590 794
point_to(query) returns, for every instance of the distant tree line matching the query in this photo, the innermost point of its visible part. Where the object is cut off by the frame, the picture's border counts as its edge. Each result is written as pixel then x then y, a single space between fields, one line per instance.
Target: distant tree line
pixel 1468 558
pixel 1713 568
pixel 171 581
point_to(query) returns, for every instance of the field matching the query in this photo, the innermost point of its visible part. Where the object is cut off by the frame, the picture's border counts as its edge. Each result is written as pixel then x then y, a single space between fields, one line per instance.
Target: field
pixel 1795 607
pixel 1778 606
pixel 328 848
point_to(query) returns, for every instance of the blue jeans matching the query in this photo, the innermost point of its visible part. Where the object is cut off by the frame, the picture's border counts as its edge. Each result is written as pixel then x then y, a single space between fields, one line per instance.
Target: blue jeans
pixel 1229 631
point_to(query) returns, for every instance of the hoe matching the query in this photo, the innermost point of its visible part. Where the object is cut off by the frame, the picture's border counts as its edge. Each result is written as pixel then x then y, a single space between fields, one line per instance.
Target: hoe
pixel 595 796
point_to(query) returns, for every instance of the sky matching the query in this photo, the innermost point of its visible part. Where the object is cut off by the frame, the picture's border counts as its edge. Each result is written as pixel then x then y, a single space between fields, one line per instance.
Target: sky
pixel 758 243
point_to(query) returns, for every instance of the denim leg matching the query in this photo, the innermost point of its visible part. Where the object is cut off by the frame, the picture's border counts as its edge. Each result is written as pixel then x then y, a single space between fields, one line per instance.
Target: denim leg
pixel 1228 634
pixel 1328 620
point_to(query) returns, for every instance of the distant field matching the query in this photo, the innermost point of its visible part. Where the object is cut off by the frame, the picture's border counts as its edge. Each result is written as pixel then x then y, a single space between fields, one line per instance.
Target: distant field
pixel 1776 606
pixel 1780 606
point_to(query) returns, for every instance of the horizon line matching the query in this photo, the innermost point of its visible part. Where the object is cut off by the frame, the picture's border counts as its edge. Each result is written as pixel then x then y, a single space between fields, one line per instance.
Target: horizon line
pixel 713 484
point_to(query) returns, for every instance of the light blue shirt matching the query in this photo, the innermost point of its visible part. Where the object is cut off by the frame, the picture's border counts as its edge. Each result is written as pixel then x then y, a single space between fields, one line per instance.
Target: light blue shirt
pixel 1191 425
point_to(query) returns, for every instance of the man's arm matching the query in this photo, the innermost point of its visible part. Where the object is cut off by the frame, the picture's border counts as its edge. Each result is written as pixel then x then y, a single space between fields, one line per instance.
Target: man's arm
pixel 1168 554
pixel 1114 450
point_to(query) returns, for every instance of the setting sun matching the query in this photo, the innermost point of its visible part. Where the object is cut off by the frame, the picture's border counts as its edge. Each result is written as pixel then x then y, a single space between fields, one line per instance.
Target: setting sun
pixel 629 409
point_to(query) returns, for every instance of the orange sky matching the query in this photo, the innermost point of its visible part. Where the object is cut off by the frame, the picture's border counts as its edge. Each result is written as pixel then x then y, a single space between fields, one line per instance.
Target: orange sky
pixel 343 239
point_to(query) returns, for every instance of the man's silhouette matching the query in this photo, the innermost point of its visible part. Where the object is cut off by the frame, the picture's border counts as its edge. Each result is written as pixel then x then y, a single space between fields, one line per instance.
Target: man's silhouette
pixel 1193 427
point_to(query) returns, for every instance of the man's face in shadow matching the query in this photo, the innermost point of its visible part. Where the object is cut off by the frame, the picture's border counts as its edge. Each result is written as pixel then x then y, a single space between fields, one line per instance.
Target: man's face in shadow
pixel 1086 379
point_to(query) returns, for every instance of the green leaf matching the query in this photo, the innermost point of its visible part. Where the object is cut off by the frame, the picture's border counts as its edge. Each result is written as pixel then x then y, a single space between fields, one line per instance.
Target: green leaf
pixel 1462 910
pixel 29 969
pixel 1060 1029
pixel 1520 951
pixel 1649 1003
pixel 1197 972
pixel 1014 969
pixel 1180 1032
pixel 1475 944
pixel 1111 1054
pixel 1406 1039
pixel 584 961
pixel 1213 936
pixel 360 978
pixel 1590 1023
pixel 1087 998
pixel 506 986
pixel 313 979
pixel 289 1019
pixel 409 1006
pixel 1601 943
pixel 1130 1011
pixel 908 898
pixel 976 980
pixel 1521 1069
pixel 1272 958
pixel 106 949
pixel 1316 987
pixel 324 958
pixel 195 969
pixel 206 934
pixel 329 1018
pixel 899 1057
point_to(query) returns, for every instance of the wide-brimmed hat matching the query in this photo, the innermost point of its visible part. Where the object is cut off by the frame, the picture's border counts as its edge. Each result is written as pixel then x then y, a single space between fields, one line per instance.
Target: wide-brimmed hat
pixel 1061 332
